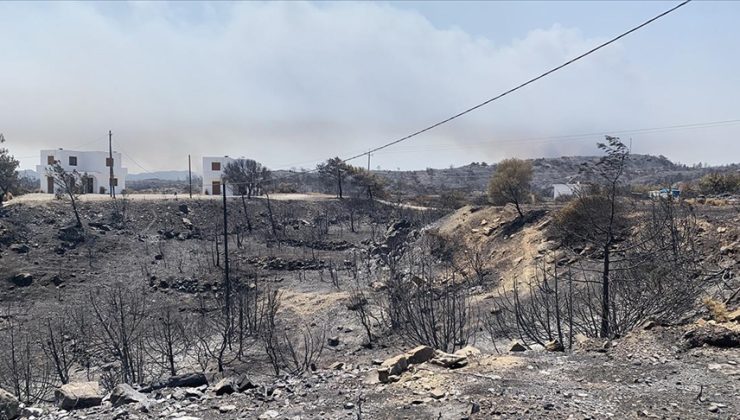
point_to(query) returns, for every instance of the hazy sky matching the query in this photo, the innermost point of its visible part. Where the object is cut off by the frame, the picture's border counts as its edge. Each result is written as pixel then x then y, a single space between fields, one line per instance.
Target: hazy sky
pixel 290 84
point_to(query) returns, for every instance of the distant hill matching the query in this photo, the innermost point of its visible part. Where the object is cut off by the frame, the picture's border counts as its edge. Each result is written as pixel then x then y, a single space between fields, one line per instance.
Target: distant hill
pixel 641 169
pixel 162 175
pixel 28 173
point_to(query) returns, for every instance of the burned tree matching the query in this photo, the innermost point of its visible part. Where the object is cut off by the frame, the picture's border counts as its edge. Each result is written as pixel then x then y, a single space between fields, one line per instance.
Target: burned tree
pixel 335 170
pixel 67 183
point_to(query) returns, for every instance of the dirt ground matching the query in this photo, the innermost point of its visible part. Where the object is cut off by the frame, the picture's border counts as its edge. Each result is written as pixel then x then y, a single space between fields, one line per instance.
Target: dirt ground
pixel 644 374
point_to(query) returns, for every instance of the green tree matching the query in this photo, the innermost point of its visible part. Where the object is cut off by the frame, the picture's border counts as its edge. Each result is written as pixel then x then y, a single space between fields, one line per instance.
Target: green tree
pixel 247 177
pixel 371 184
pixel 719 183
pixel 8 170
pixel 511 183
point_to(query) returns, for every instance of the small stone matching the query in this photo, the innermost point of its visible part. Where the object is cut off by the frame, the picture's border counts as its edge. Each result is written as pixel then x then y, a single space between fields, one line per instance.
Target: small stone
pixel 333 341
pixel 714 408
pixel 517 347
pixel 349 406
pixel 437 394
pixel 269 414
pixel 226 408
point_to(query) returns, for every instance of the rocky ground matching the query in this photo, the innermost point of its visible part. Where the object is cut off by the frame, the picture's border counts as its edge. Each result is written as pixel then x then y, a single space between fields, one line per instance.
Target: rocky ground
pixel 671 371
pixel 649 373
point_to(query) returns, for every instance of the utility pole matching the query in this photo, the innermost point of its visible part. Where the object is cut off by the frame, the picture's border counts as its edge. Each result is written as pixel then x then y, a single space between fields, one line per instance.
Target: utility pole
pixel 190 178
pixel 112 191
pixel 368 161
pixel 227 281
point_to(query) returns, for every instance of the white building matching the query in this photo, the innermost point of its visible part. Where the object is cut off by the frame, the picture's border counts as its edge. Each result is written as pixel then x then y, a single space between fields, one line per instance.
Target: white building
pixel 213 171
pixel 559 190
pixel 93 167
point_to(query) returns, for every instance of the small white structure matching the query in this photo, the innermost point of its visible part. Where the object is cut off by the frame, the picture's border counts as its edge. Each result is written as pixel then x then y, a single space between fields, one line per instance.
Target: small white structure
pixel 93 167
pixel 213 171
pixel 559 190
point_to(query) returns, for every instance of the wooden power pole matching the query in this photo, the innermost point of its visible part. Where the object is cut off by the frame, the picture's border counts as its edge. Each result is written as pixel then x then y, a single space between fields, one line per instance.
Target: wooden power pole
pixel 190 178
pixel 112 191
pixel 227 281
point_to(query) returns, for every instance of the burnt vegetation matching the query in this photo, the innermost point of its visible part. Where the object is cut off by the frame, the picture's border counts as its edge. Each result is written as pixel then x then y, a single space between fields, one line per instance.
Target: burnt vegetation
pixel 223 291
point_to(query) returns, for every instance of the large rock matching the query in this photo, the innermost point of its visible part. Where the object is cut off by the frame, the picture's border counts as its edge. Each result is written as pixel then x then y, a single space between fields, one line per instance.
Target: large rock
pixel 420 354
pixel 232 384
pixel 468 351
pixel 72 234
pixel 396 365
pixel 450 361
pixel 183 380
pixel 547 246
pixel 712 335
pixel 392 367
pixel 125 394
pixel 10 407
pixel 78 395
pixel 19 248
pixel 22 279
pixel 554 345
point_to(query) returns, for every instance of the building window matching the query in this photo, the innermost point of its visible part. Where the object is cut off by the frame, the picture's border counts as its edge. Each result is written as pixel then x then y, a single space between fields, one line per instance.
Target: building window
pixel 50 160
pixel 215 187
pixel 215 166
pixel 73 161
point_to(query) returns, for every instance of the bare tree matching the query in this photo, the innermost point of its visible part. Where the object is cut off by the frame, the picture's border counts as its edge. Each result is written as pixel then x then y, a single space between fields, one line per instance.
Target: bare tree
pixel 121 313
pixel 68 183
pixel 167 339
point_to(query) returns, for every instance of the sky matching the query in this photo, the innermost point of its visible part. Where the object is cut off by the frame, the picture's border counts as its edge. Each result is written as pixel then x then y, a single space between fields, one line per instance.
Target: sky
pixel 291 84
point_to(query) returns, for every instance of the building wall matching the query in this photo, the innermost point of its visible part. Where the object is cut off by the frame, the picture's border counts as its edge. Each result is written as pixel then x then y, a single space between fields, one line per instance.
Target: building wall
pixel 211 175
pixel 90 164
pixel 564 189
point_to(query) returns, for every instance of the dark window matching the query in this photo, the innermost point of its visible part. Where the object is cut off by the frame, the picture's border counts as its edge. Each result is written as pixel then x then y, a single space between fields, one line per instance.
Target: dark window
pixel 73 161
pixel 50 160
pixel 215 166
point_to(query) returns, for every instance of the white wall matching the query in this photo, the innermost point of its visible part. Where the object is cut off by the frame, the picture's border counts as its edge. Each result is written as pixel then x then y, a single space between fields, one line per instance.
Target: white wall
pixel 90 163
pixel 209 175
pixel 564 189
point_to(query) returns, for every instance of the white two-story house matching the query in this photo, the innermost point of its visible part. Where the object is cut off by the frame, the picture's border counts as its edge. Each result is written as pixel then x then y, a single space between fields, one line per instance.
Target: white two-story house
pixel 213 171
pixel 93 167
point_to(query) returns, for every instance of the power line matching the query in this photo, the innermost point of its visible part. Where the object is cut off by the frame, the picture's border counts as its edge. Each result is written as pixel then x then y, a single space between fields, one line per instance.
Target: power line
pixel 528 82
pixel 572 137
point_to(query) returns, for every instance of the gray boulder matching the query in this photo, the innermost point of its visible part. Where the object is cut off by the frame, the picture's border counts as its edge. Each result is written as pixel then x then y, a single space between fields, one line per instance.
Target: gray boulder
pixel 10 407
pixel 125 394
pixel 78 395
pixel 22 279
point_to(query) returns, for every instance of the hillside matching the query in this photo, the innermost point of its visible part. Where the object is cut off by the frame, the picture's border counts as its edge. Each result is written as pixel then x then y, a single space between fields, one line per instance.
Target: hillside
pixel 641 170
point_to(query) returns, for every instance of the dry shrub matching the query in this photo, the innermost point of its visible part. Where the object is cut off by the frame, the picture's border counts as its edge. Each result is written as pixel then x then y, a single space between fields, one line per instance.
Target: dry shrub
pixel 717 309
